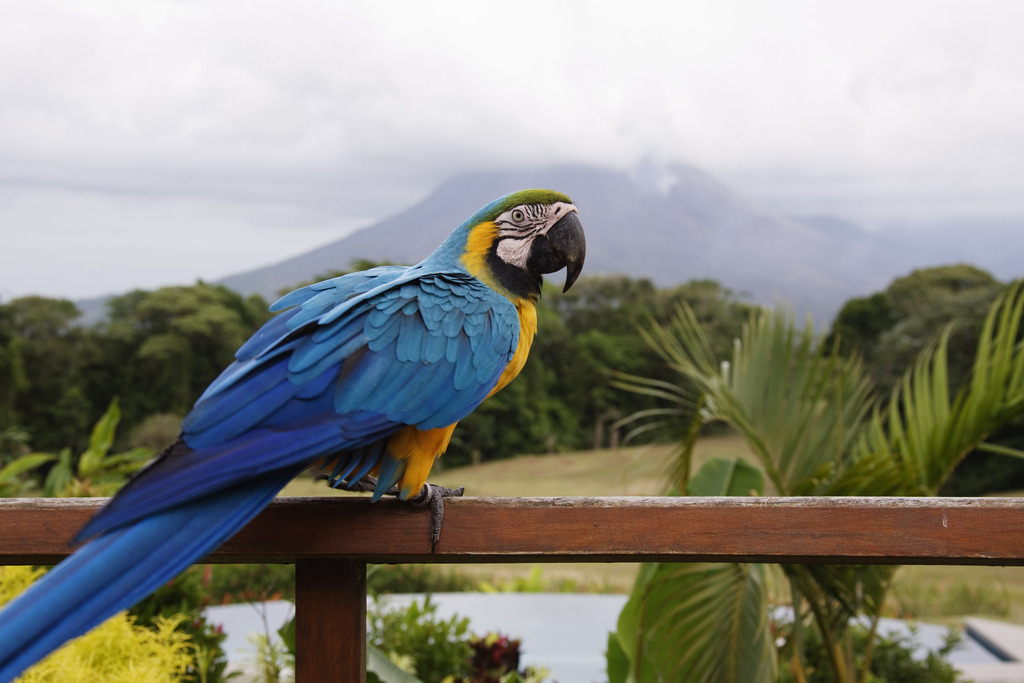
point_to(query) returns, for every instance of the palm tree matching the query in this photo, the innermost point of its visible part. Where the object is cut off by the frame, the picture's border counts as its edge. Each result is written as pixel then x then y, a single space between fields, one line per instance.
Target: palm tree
pixel 816 428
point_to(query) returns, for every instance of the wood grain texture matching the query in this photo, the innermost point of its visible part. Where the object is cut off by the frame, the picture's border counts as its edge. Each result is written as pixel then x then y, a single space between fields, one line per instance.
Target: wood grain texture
pixel 802 530
pixel 330 620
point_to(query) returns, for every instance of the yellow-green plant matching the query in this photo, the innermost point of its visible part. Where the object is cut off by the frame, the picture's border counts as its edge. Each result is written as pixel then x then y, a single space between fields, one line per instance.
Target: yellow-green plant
pixel 116 651
pixel 14 476
pixel 98 472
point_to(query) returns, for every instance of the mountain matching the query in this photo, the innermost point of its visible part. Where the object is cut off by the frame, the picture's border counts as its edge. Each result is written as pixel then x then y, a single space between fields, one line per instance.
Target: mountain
pixel 669 224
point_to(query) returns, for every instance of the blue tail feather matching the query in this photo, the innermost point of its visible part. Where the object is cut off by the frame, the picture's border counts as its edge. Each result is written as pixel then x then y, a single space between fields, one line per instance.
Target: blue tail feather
pixel 343 467
pixel 391 470
pixel 364 468
pixel 121 567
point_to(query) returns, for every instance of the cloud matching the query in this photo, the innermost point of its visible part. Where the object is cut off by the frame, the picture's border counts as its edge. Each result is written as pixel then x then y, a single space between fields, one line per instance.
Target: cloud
pixel 291 117
pixel 84 244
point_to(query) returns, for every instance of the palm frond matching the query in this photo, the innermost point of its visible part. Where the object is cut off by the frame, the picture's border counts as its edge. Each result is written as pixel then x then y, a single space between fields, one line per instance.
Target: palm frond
pixel 930 431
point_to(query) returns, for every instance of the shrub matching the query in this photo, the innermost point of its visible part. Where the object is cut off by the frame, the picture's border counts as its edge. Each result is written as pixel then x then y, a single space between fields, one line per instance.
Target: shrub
pixel 437 647
pixel 185 596
pixel 415 578
pixel 226 584
pixel 496 660
pixel 892 659
pixel 117 651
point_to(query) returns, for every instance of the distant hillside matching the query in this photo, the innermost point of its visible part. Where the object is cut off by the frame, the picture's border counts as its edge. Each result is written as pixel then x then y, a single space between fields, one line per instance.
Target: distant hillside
pixel 670 225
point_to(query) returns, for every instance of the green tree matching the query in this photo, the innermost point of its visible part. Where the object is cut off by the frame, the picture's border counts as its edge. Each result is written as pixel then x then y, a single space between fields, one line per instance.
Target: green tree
pixel 861 322
pixel 12 368
pixel 890 329
pixel 42 362
pixel 158 350
pixel 163 348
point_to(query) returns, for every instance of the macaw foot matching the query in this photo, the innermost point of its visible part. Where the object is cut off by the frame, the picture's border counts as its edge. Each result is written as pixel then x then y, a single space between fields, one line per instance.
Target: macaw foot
pixel 431 494
pixel 367 484
pixel 434 495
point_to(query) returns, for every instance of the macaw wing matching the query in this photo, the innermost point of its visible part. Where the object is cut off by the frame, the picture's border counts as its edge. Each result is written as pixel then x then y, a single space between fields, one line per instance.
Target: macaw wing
pixel 421 349
pixel 298 309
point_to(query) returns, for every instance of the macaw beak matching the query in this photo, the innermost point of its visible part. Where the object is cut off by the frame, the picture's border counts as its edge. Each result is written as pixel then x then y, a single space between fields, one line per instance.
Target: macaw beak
pixel 563 246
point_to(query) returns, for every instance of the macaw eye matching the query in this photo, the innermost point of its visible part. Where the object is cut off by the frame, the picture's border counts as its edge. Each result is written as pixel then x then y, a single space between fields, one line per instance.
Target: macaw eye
pixel 518 216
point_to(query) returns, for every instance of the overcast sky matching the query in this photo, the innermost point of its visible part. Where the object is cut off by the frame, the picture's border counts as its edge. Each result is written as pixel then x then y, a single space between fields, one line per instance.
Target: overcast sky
pixel 145 143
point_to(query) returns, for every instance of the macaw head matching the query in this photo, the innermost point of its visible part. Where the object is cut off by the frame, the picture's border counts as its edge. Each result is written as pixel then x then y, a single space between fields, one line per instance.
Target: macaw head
pixel 513 241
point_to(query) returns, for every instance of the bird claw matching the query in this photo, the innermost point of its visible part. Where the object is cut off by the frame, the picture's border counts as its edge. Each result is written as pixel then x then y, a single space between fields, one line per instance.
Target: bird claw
pixel 434 495
pixel 431 494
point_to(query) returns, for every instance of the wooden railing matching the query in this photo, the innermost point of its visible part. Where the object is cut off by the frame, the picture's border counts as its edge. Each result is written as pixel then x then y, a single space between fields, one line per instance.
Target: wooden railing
pixel 330 540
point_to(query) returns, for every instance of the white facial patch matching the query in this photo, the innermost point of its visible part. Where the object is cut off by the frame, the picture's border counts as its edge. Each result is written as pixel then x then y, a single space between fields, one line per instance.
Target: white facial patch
pixel 514 251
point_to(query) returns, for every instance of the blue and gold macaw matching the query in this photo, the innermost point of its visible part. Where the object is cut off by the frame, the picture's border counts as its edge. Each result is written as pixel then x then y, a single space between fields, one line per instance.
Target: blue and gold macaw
pixel 364 374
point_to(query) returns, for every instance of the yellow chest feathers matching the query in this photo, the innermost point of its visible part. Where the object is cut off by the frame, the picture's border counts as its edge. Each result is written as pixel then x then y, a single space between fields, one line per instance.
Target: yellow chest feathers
pixel 419 448
pixel 527 330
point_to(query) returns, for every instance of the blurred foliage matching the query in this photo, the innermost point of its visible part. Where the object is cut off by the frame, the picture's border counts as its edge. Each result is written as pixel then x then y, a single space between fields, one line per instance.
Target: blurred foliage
pixel 536 582
pixel 161 349
pixel 496 660
pixel 890 329
pixel 915 600
pixel 17 477
pixel 120 650
pixel 698 621
pixel 896 657
pixel 415 578
pixel 96 472
pixel 412 644
pixel 186 597
pixel 44 360
pixel 431 646
pixel 270 660
pixel 226 584
pixel 817 428
pixel 156 432
pixel 157 350
pixel 179 604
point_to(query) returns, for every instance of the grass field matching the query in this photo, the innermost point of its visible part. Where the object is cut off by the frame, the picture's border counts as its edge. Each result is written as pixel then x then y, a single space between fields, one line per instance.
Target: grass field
pixel 635 471
pixel 937 592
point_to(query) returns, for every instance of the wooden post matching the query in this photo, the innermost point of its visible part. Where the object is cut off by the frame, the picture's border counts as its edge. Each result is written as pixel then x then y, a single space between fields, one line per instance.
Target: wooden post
pixel 330 621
